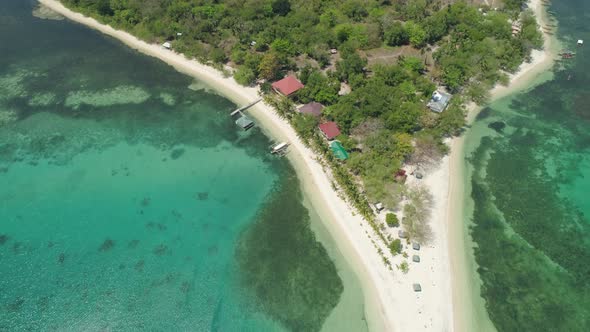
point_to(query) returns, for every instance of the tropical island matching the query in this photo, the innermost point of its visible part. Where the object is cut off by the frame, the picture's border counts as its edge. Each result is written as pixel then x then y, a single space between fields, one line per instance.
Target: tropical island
pixel 374 88
pixel 373 65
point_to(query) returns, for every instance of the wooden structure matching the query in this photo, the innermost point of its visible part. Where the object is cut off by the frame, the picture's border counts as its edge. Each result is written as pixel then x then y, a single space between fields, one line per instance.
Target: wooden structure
pixel 243 108
pixel 244 121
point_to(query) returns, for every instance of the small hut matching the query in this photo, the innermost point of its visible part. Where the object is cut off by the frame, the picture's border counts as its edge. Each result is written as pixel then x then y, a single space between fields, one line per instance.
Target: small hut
pixel 312 108
pixel 416 258
pixel 330 130
pixel 287 86
pixel 167 45
pixel 245 122
pixel 439 101
pixel 416 246
pixel 417 287
pixel 402 234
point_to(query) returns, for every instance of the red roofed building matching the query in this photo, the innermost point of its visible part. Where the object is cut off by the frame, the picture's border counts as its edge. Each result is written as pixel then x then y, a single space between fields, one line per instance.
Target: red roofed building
pixel 287 86
pixel 330 130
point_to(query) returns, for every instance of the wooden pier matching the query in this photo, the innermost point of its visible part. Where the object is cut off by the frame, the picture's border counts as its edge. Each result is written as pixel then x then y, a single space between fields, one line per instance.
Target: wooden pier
pixel 243 108
pixel 241 119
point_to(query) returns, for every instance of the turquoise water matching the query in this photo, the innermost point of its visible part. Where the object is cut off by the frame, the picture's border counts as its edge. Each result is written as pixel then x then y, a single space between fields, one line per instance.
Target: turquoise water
pixel 530 155
pixel 130 202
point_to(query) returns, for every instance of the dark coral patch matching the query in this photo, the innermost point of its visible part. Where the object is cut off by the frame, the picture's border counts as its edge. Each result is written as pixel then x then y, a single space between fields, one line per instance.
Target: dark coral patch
pixel 16 247
pixel 139 266
pixel 160 250
pixel 15 306
pixel 185 287
pixel 176 153
pixel 498 126
pixel 107 245
pixel 146 201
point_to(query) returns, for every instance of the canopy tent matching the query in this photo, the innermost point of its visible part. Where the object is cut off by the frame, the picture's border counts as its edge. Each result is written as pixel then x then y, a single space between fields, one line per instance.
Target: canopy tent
pixel 338 150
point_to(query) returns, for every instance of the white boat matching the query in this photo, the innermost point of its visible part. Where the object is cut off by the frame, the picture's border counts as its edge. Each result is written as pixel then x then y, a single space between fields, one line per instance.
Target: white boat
pixel 281 147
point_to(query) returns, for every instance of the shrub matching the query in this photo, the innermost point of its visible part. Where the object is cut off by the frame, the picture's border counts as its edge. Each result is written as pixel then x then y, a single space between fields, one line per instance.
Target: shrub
pixel 395 246
pixel 404 267
pixel 245 76
pixel 391 220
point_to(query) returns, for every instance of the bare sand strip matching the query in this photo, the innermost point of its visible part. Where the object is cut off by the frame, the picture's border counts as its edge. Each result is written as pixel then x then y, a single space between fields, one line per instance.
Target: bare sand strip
pixel 468 305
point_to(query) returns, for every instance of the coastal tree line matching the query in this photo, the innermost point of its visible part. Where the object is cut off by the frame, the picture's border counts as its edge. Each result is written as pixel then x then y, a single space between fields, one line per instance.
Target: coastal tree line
pixel 384 118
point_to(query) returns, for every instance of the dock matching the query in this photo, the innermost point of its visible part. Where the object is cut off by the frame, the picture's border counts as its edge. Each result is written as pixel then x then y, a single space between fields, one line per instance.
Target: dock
pixel 243 108
pixel 242 120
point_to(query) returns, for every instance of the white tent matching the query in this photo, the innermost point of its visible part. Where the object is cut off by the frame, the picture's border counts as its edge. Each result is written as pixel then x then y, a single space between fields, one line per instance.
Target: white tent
pixel 167 45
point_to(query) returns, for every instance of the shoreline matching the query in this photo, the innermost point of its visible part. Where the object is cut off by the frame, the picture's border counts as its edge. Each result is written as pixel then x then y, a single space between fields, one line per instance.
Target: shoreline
pixel 346 228
pixel 468 305
pixel 390 303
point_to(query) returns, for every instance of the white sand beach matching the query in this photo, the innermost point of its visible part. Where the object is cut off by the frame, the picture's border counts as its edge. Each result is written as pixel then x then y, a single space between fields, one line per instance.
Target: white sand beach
pixel 391 303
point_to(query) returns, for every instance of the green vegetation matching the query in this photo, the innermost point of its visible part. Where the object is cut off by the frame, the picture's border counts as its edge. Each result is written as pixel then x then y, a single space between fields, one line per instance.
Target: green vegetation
pixel 404 267
pixel 391 220
pixel 395 247
pixel 416 215
pixel 384 119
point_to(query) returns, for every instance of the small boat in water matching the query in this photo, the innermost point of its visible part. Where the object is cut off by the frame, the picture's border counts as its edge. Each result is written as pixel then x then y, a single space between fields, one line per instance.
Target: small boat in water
pixel 280 148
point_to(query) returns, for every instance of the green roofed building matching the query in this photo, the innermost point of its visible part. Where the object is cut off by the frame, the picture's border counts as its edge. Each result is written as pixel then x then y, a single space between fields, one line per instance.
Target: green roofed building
pixel 339 150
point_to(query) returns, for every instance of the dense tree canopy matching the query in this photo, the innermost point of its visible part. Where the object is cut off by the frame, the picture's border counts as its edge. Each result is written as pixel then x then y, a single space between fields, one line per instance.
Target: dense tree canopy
pixel 384 117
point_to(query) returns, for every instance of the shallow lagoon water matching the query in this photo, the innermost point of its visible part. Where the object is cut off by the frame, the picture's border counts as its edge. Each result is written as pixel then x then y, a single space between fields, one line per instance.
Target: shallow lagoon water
pixel 130 201
pixel 529 158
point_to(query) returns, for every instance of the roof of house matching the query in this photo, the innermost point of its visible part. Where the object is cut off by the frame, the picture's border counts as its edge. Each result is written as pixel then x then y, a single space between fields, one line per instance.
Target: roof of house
pixel 244 122
pixel 439 101
pixel 288 85
pixel 338 150
pixel 330 129
pixel 312 108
